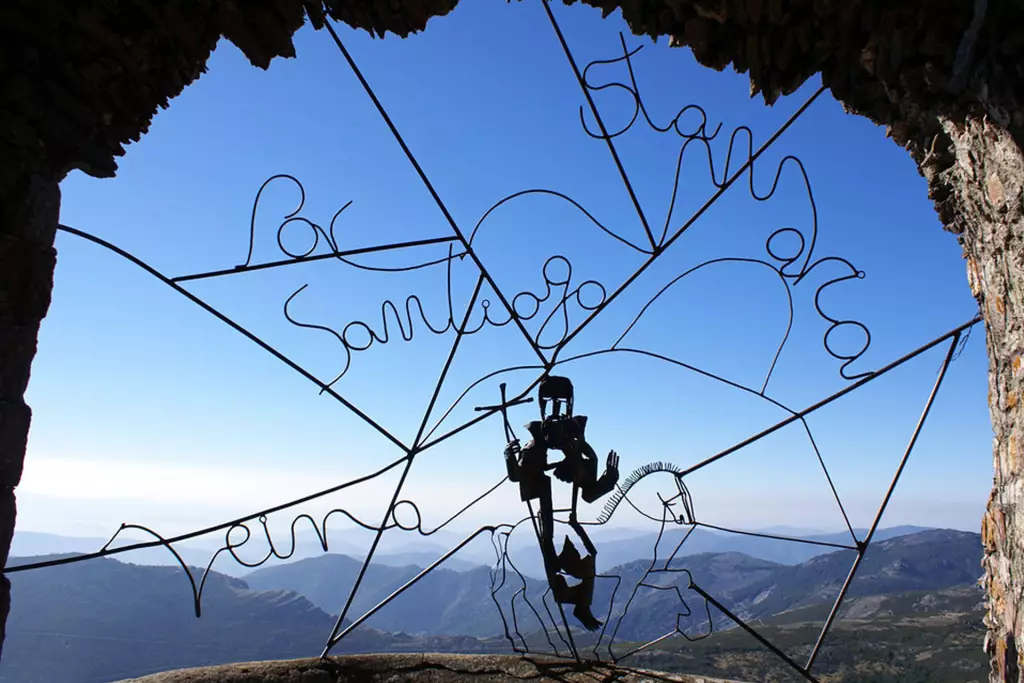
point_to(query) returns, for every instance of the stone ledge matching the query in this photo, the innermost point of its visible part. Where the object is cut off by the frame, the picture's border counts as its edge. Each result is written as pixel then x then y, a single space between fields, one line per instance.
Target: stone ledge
pixel 422 668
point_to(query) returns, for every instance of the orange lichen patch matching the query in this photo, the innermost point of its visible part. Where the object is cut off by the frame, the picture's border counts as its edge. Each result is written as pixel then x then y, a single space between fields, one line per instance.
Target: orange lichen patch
pixel 987 540
pixel 1001 657
pixel 996 600
pixel 993 528
pixel 973 277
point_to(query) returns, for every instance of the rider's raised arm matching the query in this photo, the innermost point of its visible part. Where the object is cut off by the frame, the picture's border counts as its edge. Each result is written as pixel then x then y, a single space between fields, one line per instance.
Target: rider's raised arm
pixel 607 481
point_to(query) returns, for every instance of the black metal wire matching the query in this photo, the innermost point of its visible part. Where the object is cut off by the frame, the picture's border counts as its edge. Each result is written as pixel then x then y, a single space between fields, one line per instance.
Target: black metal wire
pixel 339 255
pixel 722 185
pixel 839 394
pixel 559 291
pixel 863 546
pixel 337 633
pixel 600 122
pixel 564 197
pixel 324 388
pixel 633 89
pixel 638 475
pixel 232 546
pixel 564 298
pixel 653 569
pixel 777 537
pixel 502 564
pixel 803 671
pixel 317 232
pixel 426 182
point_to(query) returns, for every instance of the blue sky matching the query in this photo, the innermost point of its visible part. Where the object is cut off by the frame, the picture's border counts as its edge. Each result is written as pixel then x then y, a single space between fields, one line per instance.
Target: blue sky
pixel 149 410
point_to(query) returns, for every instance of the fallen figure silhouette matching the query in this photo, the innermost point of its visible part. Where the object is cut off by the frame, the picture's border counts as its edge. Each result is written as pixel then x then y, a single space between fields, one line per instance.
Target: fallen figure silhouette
pixel 528 466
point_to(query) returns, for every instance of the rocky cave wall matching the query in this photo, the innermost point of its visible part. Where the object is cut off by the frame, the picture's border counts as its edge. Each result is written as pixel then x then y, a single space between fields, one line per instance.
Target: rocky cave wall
pixel 83 78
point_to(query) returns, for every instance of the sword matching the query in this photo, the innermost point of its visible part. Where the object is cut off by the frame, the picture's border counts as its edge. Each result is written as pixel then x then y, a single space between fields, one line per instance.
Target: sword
pixel 503 408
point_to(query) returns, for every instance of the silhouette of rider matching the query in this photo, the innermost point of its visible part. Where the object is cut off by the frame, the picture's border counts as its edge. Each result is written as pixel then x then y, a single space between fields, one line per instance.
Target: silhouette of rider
pixel 562 431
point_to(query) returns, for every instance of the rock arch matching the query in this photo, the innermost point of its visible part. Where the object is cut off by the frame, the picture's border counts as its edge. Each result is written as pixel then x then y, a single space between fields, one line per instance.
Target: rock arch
pixel 944 77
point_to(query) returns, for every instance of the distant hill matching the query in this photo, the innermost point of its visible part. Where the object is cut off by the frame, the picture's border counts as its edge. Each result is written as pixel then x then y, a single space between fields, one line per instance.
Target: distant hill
pixel 30 543
pixel 967 599
pixel 392 554
pixel 423 559
pixel 104 620
pixel 33 543
pixel 757 589
pixel 929 560
pixel 445 601
pixel 664 595
pixel 917 637
pixel 459 603
pixel 616 546
pixel 710 541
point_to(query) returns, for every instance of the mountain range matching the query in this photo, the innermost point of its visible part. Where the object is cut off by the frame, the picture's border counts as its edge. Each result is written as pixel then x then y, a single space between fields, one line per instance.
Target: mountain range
pixel 756 590
pixel 450 602
pixel 392 553
pixel 104 620
pixel 915 637
pixel 616 546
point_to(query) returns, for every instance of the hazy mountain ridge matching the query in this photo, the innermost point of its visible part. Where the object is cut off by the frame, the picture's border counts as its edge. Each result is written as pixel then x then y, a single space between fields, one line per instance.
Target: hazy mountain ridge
pixel 966 599
pixel 105 620
pixel 756 589
pixel 32 543
pixel 616 546
pixel 445 602
pixel 460 603
pixel 918 637
pixel 80 618
pixel 929 560
pixel 710 541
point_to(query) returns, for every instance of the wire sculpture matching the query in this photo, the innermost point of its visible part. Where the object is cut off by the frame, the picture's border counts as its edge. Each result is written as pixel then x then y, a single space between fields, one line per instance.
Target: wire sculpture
pixel 528 466
pixel 558 311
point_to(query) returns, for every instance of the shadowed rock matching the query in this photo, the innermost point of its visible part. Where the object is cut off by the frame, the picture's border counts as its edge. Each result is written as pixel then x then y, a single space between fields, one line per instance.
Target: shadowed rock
pixel 432 668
